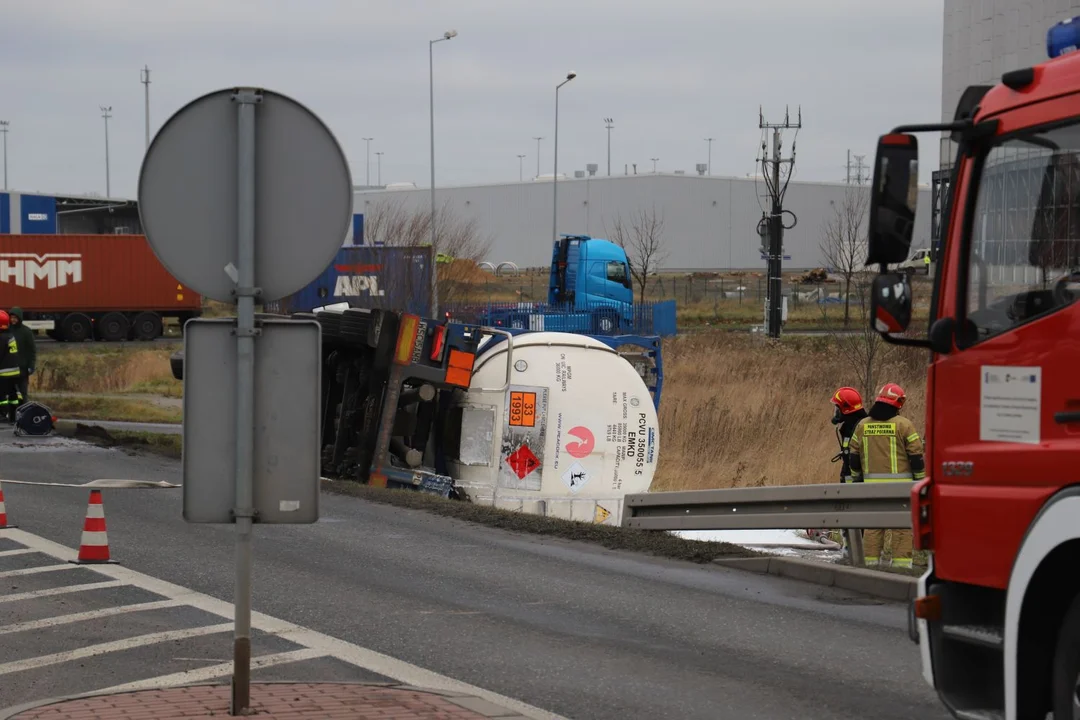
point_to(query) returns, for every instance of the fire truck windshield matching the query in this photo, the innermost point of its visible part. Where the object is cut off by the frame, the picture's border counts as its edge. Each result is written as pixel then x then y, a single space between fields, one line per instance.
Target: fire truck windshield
pixel 1025 233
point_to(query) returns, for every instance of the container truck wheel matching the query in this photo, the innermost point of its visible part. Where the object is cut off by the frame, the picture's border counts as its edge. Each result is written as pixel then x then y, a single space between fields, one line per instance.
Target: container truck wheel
pixel 76 327
pixel 147 326
pixel 1067 666
pixel 113 327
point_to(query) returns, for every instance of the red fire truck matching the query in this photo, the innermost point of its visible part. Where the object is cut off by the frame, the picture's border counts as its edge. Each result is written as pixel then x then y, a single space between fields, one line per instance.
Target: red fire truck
pixel 997 617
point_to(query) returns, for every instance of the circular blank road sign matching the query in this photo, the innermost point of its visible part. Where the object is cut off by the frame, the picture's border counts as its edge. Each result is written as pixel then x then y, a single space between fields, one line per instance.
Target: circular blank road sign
pixel 188 195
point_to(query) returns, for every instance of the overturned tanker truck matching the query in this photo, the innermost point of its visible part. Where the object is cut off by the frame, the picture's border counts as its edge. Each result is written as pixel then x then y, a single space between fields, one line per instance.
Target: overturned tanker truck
pixel 554 424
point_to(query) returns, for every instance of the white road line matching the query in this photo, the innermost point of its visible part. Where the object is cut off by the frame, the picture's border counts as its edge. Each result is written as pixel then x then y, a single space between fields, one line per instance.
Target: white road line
pixel 89 651
pixel 20 551
pixel 36 570
pixel 50 592
pixel 370 660
pixel 88 615
pixel 214 671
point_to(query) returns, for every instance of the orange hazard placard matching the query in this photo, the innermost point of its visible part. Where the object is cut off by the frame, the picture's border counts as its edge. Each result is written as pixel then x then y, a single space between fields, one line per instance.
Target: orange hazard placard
pixel 523 409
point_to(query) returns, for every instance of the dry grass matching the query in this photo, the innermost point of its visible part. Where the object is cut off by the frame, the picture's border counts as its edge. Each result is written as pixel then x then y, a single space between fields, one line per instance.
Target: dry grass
pixel 108 408
pixel 742 411
pixel 106 369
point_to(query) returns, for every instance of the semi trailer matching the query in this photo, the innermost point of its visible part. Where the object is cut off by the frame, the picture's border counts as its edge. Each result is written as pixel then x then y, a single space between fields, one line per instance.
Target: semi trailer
pixel 87 287
pixel 555 424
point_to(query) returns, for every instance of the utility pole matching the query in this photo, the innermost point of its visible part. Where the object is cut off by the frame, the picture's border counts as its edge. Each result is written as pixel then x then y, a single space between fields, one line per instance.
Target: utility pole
pixel 379 156
pixel 654 161
pixel 146 91
pixel 859 167
pixel 609 124
pixel 4 131
pixel 777 188
pixel 709 140
pixel 521 168
pixel 538 139
pixel 105 114
pixel 367 161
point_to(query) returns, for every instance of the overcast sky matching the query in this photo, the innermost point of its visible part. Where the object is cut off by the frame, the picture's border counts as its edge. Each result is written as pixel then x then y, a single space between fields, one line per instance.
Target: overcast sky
pixel 670 74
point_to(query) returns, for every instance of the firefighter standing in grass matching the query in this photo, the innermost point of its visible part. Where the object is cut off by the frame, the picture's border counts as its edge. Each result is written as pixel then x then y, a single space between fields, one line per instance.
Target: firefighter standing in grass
pixel 10 398
pixel 886 447
pixel 847 412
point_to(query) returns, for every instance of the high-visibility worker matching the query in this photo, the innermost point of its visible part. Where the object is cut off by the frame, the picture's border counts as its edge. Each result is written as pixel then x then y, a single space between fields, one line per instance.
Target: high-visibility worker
pixel 886 447
pixel 848 411
pixel 10 398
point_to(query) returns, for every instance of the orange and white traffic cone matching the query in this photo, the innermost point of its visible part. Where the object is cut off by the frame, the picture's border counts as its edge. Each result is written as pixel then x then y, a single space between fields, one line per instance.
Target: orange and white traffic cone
pixel 3 512
pixel 94 547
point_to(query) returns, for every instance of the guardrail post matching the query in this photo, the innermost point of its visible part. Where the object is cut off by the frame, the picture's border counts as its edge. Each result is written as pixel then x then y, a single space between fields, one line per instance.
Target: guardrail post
pixel 855 543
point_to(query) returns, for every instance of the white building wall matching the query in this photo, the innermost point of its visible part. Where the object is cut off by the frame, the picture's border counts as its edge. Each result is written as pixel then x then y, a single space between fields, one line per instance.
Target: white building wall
pixel 984 39
pixel 709 222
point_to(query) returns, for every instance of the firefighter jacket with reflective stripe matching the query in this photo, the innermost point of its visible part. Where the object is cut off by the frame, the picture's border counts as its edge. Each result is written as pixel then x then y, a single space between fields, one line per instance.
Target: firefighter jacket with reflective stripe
pixel 884 450
pixel 9 355
pixel 844 431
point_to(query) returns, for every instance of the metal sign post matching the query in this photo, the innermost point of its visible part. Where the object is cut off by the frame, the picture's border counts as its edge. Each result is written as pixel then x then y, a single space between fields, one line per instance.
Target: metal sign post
pixel 240 210
pixel 246 291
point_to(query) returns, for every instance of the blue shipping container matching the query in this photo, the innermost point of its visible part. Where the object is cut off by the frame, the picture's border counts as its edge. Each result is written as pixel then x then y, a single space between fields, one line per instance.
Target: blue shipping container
pixel 392 278
pixel 38 215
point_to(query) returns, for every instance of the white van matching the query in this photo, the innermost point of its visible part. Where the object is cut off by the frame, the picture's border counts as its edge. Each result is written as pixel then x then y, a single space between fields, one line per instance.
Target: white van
pixel 916 264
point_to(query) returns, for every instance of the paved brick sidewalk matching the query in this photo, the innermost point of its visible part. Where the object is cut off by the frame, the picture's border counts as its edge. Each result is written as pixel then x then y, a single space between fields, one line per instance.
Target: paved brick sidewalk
pixel 273 701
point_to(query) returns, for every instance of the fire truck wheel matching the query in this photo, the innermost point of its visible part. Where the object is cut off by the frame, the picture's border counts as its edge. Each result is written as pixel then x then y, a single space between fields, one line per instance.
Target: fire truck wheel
pixel 1067 666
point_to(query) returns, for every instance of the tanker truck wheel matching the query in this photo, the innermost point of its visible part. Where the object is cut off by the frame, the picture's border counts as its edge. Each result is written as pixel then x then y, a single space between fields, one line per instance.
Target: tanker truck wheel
pixel 1067 666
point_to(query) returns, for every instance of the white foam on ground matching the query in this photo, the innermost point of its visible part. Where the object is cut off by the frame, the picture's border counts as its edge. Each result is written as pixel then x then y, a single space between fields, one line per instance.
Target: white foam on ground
pixel 749 538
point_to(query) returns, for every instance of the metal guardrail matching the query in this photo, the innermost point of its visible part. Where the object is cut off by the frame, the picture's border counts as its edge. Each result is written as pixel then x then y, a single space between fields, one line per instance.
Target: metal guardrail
pixel 797 507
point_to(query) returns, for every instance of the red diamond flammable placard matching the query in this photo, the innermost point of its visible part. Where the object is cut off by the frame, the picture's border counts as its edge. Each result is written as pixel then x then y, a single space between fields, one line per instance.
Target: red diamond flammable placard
pixel 522 461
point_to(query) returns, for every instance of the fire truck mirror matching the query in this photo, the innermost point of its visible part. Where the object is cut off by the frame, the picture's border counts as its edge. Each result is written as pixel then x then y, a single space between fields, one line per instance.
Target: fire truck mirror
pixel 893 199
pixel 890 303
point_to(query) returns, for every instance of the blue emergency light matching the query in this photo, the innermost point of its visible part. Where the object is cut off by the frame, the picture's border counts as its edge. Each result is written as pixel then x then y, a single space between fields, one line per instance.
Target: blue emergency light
pixel 1063 38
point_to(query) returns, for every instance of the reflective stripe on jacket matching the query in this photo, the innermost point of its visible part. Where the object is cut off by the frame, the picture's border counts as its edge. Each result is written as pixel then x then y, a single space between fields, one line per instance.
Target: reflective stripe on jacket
pixel 887 450
pixel 9 355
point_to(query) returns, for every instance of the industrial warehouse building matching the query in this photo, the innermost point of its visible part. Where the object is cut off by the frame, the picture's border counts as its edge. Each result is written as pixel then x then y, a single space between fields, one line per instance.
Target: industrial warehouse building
pixel 710 223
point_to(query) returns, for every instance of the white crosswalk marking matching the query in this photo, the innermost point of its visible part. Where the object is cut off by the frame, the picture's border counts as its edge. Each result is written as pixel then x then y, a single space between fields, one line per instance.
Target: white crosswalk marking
pixel 88 615
pixel 114 646
pixel 213 672
pixel 313 644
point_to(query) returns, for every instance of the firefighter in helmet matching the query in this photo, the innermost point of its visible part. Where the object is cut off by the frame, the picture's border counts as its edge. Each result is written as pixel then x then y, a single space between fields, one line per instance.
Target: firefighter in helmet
pixel 847 413
pixel 886 447
pixel 10 398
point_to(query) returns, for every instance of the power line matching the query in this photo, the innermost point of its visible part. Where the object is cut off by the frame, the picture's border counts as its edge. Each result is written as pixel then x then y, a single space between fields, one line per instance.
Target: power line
pixel 772 223
pixel 858 167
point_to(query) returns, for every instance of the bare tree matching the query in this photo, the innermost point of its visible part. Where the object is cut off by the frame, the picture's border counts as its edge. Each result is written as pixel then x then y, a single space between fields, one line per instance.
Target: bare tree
pixel 642 238
pixel 861 348
pixel 459 243
pixel 843 240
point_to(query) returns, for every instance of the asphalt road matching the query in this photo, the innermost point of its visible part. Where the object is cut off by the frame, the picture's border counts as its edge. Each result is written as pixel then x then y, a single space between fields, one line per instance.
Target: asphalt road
pixel 579 631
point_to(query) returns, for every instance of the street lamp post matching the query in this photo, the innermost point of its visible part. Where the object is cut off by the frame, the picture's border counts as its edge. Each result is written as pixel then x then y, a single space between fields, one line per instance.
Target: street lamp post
pixel 379 156
pixel 367 160
pixel 4 131
pixel 521 168
pixel 654 161
pixel 431 89
pixel 538 139
pixel 609 124
pixel 145 80
pixel 105 114
pixel 555 175
pixel 709 166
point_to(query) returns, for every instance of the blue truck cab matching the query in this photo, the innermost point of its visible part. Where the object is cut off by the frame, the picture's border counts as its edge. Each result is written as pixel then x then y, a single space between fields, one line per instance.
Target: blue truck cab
pixel 592 275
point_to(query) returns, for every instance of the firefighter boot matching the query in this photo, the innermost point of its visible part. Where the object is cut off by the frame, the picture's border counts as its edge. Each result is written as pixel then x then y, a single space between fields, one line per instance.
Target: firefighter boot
pixel 901 548
pixel 873 540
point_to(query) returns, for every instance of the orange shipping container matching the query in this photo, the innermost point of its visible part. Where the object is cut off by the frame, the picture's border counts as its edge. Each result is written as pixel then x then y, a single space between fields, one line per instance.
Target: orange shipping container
pixel 52 277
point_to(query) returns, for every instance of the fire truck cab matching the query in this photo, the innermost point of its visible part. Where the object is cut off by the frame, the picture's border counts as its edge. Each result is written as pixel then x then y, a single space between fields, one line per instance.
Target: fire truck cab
pixel 997 616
